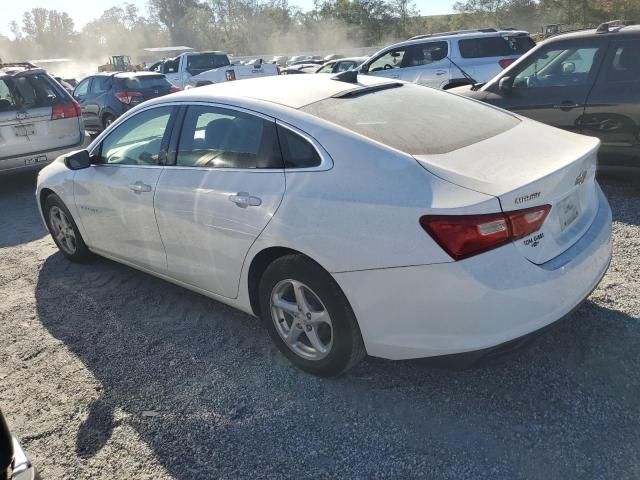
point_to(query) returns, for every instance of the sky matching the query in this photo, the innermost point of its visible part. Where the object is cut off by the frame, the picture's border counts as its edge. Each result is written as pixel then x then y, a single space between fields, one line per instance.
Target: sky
pixel 84 11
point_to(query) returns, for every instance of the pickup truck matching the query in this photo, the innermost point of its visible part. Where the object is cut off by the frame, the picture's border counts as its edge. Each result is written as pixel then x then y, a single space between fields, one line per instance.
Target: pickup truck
pixel 194 69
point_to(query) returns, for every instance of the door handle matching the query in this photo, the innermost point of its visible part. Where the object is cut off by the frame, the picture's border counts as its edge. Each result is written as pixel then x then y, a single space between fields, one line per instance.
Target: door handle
pixel 440 72
pixel 140 187
pixel 244 200
pixel 395 75
pixel 567 105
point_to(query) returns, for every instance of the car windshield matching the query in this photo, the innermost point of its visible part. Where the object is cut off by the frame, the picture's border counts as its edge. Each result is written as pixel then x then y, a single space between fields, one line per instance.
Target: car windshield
pixel 202 62
pixel 415 119
pixel 147 81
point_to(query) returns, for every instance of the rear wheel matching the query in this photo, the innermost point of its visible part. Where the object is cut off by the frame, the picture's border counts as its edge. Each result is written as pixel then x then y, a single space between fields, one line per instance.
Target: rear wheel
pixel 64 230
pixel 309 318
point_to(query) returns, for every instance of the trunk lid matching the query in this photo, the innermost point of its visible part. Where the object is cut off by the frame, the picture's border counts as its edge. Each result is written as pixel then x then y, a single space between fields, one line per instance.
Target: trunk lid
pixel 527 166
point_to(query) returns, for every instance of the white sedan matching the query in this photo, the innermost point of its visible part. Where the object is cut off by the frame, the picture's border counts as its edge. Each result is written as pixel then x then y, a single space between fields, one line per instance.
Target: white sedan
pixel 353 215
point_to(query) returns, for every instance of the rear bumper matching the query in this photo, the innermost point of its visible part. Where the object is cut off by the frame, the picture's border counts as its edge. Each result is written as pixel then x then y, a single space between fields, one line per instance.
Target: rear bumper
pixel 477 303
pixel 19 164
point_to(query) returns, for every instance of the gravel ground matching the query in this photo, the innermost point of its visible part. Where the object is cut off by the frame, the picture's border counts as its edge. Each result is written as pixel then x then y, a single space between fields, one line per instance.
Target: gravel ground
pixel 106 372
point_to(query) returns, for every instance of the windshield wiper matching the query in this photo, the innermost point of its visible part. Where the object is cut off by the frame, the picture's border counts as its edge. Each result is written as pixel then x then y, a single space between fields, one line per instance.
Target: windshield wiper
pixel 473 81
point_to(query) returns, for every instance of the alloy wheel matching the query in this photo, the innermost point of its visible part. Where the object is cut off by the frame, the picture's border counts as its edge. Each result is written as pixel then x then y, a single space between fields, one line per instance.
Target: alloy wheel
pixel 62 230
pixel 301 319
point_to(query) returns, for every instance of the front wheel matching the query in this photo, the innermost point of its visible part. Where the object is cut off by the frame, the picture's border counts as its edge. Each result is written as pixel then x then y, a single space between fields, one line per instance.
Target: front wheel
pixel 309 317
pixel 64 230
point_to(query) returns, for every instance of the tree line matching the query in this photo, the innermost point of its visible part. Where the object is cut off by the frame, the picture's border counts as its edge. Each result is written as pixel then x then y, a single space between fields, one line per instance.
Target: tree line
pixel 246 27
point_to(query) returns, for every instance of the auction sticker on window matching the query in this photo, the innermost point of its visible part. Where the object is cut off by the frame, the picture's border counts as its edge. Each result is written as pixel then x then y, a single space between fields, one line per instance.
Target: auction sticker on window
pixel 568 210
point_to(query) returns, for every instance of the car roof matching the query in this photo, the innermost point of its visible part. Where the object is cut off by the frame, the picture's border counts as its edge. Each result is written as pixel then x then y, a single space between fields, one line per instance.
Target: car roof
pixel 623 31
pixel 459 36
pixel 141 73
pixel 293 91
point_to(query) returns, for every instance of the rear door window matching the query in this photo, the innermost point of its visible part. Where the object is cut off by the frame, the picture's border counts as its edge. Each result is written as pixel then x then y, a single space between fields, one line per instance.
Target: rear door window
pixel 214 137
pixel 144 82
pixel 625 63
pixel 100 85
pixel 197 64
pixel 495 46
pixel 425 54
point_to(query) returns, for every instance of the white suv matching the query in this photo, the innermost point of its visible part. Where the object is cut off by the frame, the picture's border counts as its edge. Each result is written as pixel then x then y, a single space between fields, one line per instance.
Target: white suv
pixel 450 59
pixel 39 120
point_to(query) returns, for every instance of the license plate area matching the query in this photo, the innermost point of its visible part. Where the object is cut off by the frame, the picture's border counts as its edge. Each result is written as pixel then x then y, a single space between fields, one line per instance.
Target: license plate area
pixel 36 159
pixel 24 130
pixel 568 210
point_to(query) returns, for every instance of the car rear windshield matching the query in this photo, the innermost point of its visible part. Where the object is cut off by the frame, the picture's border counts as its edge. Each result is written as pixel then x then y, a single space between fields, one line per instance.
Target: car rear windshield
pixel 197 64
pixel 415 119
pixel 144 82
pixel 26 91
pixel 495 46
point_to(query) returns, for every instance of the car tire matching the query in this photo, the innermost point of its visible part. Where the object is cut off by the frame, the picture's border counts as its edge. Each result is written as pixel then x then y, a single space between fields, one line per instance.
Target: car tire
pixel 297 334
pixel 107 120
pixel 64 230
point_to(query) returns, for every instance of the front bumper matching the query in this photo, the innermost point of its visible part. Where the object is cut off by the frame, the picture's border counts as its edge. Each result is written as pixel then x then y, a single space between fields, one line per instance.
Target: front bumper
pixel 477 303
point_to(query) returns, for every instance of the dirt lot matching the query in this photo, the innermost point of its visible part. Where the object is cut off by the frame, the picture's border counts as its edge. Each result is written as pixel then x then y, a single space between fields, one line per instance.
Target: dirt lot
pixel 106 372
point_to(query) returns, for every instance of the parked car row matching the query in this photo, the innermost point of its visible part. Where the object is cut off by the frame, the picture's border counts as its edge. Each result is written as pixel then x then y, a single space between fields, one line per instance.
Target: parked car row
pixel 586 82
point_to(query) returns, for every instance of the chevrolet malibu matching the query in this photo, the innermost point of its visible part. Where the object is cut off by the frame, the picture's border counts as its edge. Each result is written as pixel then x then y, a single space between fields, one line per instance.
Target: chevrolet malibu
pixel 354 215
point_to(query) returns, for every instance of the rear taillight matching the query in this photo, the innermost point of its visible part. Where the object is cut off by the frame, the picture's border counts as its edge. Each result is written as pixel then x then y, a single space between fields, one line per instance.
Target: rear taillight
pixel 505 62
pixel 127 97
pixel 175 89
pixel 231 75
pixel 463 236
pixel 65 110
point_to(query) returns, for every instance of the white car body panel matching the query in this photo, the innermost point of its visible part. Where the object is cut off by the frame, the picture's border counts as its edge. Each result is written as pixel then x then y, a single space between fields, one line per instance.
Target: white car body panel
pixel 206 236
pixel 475 303
pixel 115 218
pixel 358 217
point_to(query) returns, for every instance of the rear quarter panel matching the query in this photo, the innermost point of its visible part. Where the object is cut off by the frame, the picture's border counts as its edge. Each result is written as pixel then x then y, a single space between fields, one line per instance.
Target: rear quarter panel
pixel 364 212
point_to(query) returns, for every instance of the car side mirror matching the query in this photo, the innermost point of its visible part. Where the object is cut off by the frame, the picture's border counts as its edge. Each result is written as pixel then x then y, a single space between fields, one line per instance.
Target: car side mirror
pixel 78 160
pixel 506 84
pixel 364 68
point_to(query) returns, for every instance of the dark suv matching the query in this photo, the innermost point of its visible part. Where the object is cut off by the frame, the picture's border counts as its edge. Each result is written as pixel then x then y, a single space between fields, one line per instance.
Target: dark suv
pixel 587 82
pixel 103 97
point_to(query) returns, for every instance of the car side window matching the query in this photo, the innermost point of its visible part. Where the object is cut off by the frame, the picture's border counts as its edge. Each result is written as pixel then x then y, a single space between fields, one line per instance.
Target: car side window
pixel 345 66
pixel 82 89
pixel 214 137
pixel 391 59
pixel 558 67
pixel 100 84
pixel 297 152
pixel 328 68
pixel 425 54
pixel 138 140
pixel 624 65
